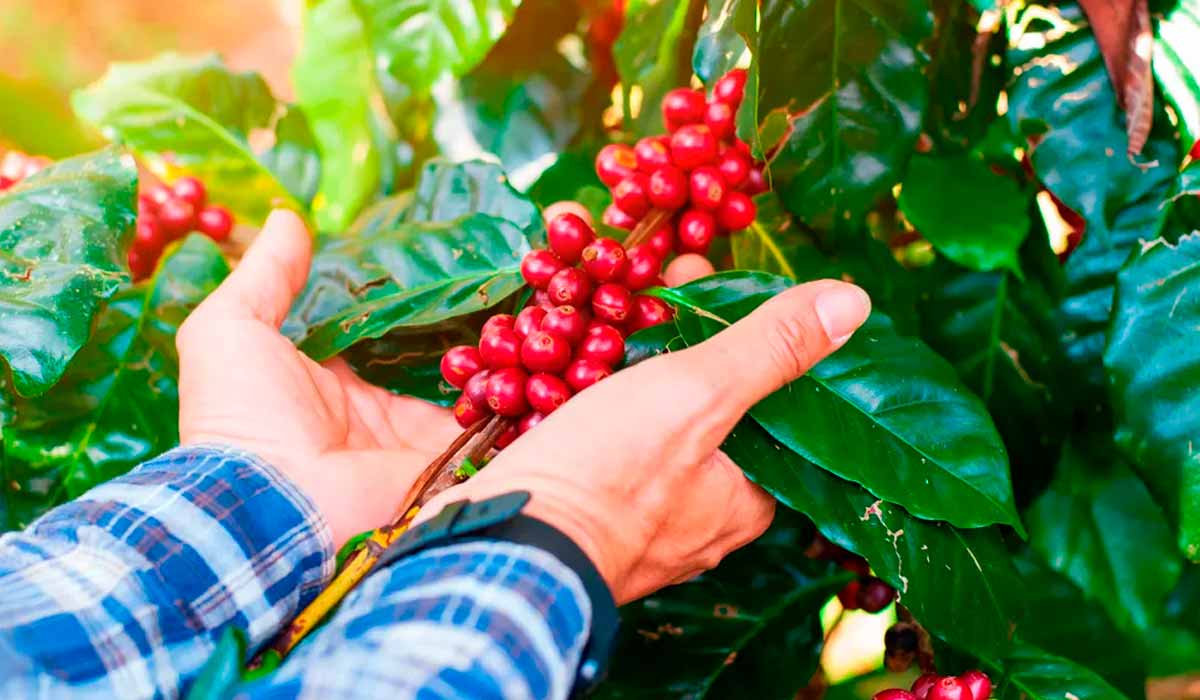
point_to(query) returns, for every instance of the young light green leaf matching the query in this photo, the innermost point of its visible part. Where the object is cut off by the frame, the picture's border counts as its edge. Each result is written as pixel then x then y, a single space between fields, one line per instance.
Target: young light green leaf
pixel 63 236
pixel 728 32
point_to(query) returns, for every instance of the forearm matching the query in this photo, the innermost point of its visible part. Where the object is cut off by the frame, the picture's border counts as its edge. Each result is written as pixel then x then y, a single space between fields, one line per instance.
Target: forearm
pixel 123 591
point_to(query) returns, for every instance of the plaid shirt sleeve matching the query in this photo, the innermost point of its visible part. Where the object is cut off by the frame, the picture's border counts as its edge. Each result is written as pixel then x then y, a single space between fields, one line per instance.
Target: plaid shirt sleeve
pixel 122 592
pixel 476 620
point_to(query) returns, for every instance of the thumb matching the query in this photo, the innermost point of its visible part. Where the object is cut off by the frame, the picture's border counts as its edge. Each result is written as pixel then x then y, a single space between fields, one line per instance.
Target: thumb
pixel 271 273
pixel 778 342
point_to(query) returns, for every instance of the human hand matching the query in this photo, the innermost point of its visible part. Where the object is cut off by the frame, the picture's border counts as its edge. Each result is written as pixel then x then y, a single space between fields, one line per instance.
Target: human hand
pixel 630 468
pixel 353 448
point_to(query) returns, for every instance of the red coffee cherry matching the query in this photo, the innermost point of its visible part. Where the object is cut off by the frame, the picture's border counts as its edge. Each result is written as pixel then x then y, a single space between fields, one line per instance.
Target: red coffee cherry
pixel 737 211
pixel 570 287
pixel 949 688
pixel 730 88
pixel 653 152
pixel 506 392
pixel 734 167
pixel 848 596
pixel 459 364
pixel 176 217
pixel 612 303
pixel 893 694
pixel 566 321
pixel 615 162
pixel 875 595
pixel 719 117
pixel 613 216
pixel 756 182
pixel 541 298
pixel 508 437
pixel 644 266
pixel 497 322
pixel 529 320
pixel 142 262
pixel 706 188
pixel 649 311
pixel 630 195
pixel 693 146
pixel 921 686
pixel 978 683
pixel 697 229
pixel 857 564
pixel 476 387
pixel 528 422
pixel 604 344
pixel 667 188
pixel 468 413
pixel 682 106
pixel 215 222
pixel 539 266
pixel 604 260
pixel 546 392
pixel 568 235
pixel 545 352
pixel 149 236
pixel 501 348
pixel 662 241
pixel 583 373
pixel 190 190
pixel 159 194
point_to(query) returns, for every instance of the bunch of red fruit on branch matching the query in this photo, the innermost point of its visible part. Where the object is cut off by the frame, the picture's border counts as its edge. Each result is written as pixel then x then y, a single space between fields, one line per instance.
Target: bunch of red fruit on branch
pixel 166 214
pixel 16 166
pixel 867 592
pixel 698 179
pixel 571 336
pixel 972 685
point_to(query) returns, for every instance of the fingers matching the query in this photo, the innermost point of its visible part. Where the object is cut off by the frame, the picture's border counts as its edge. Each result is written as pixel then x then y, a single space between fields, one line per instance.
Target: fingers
pixel 271 274
pixel 686 268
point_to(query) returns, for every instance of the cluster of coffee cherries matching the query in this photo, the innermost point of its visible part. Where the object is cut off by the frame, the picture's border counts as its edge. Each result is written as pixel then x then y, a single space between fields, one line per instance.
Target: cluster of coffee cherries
pixel 699 173
pixel 166 214
pixel 570 336
pixel 972 685
pixel 16 166
pixel 867 592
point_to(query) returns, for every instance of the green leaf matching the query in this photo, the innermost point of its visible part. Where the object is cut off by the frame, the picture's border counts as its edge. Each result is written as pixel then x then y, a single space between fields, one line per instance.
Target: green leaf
pixel 449 191
pixel 194 114
pixel 1032 674
pixel 63 236
pixel 220 675
pixel 940 571
pixel 1153 364
pixel 970 214
pixel 118 403
pixel 749 628
pixel 653 54
pixel 1098 526
pixel 335 84
pixel 726 34
pixel 1176 64
pixel 293 155
pixel 418 41
pixel 882 399
pixel 852 79
pixel 1081 159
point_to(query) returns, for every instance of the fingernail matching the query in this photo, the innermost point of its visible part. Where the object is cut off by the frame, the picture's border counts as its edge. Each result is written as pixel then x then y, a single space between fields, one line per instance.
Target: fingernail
pixel 842 310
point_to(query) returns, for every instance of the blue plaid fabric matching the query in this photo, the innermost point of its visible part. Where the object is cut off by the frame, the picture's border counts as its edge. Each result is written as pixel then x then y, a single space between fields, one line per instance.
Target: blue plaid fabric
pixel 123 593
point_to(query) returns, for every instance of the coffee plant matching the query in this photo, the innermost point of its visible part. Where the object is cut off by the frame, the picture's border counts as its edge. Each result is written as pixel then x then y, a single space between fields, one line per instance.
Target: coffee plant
pixel 1003 457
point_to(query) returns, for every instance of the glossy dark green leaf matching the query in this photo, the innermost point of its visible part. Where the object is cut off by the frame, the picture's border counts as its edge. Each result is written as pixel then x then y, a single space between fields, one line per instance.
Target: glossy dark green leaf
pixel 773 243
pixel 449 191
pixel 970 214
pixel 418 41
pixel 1098 525
pixel 749 628
pixel 729 29
pixel 194 114
pixel 334 76
pixel 883 399
pixel 966 78
pixel 1176 64
pixel 220 675
pixel 63 234
pixel 852 78
pixel 1081 159
pixel 940 571
pixel 654 55
pixel 1032 674
pixel 1153 364
pixel 117 405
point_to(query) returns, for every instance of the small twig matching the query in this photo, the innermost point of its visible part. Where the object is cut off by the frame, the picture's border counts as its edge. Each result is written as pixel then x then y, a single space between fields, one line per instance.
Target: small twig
pixel 646 227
